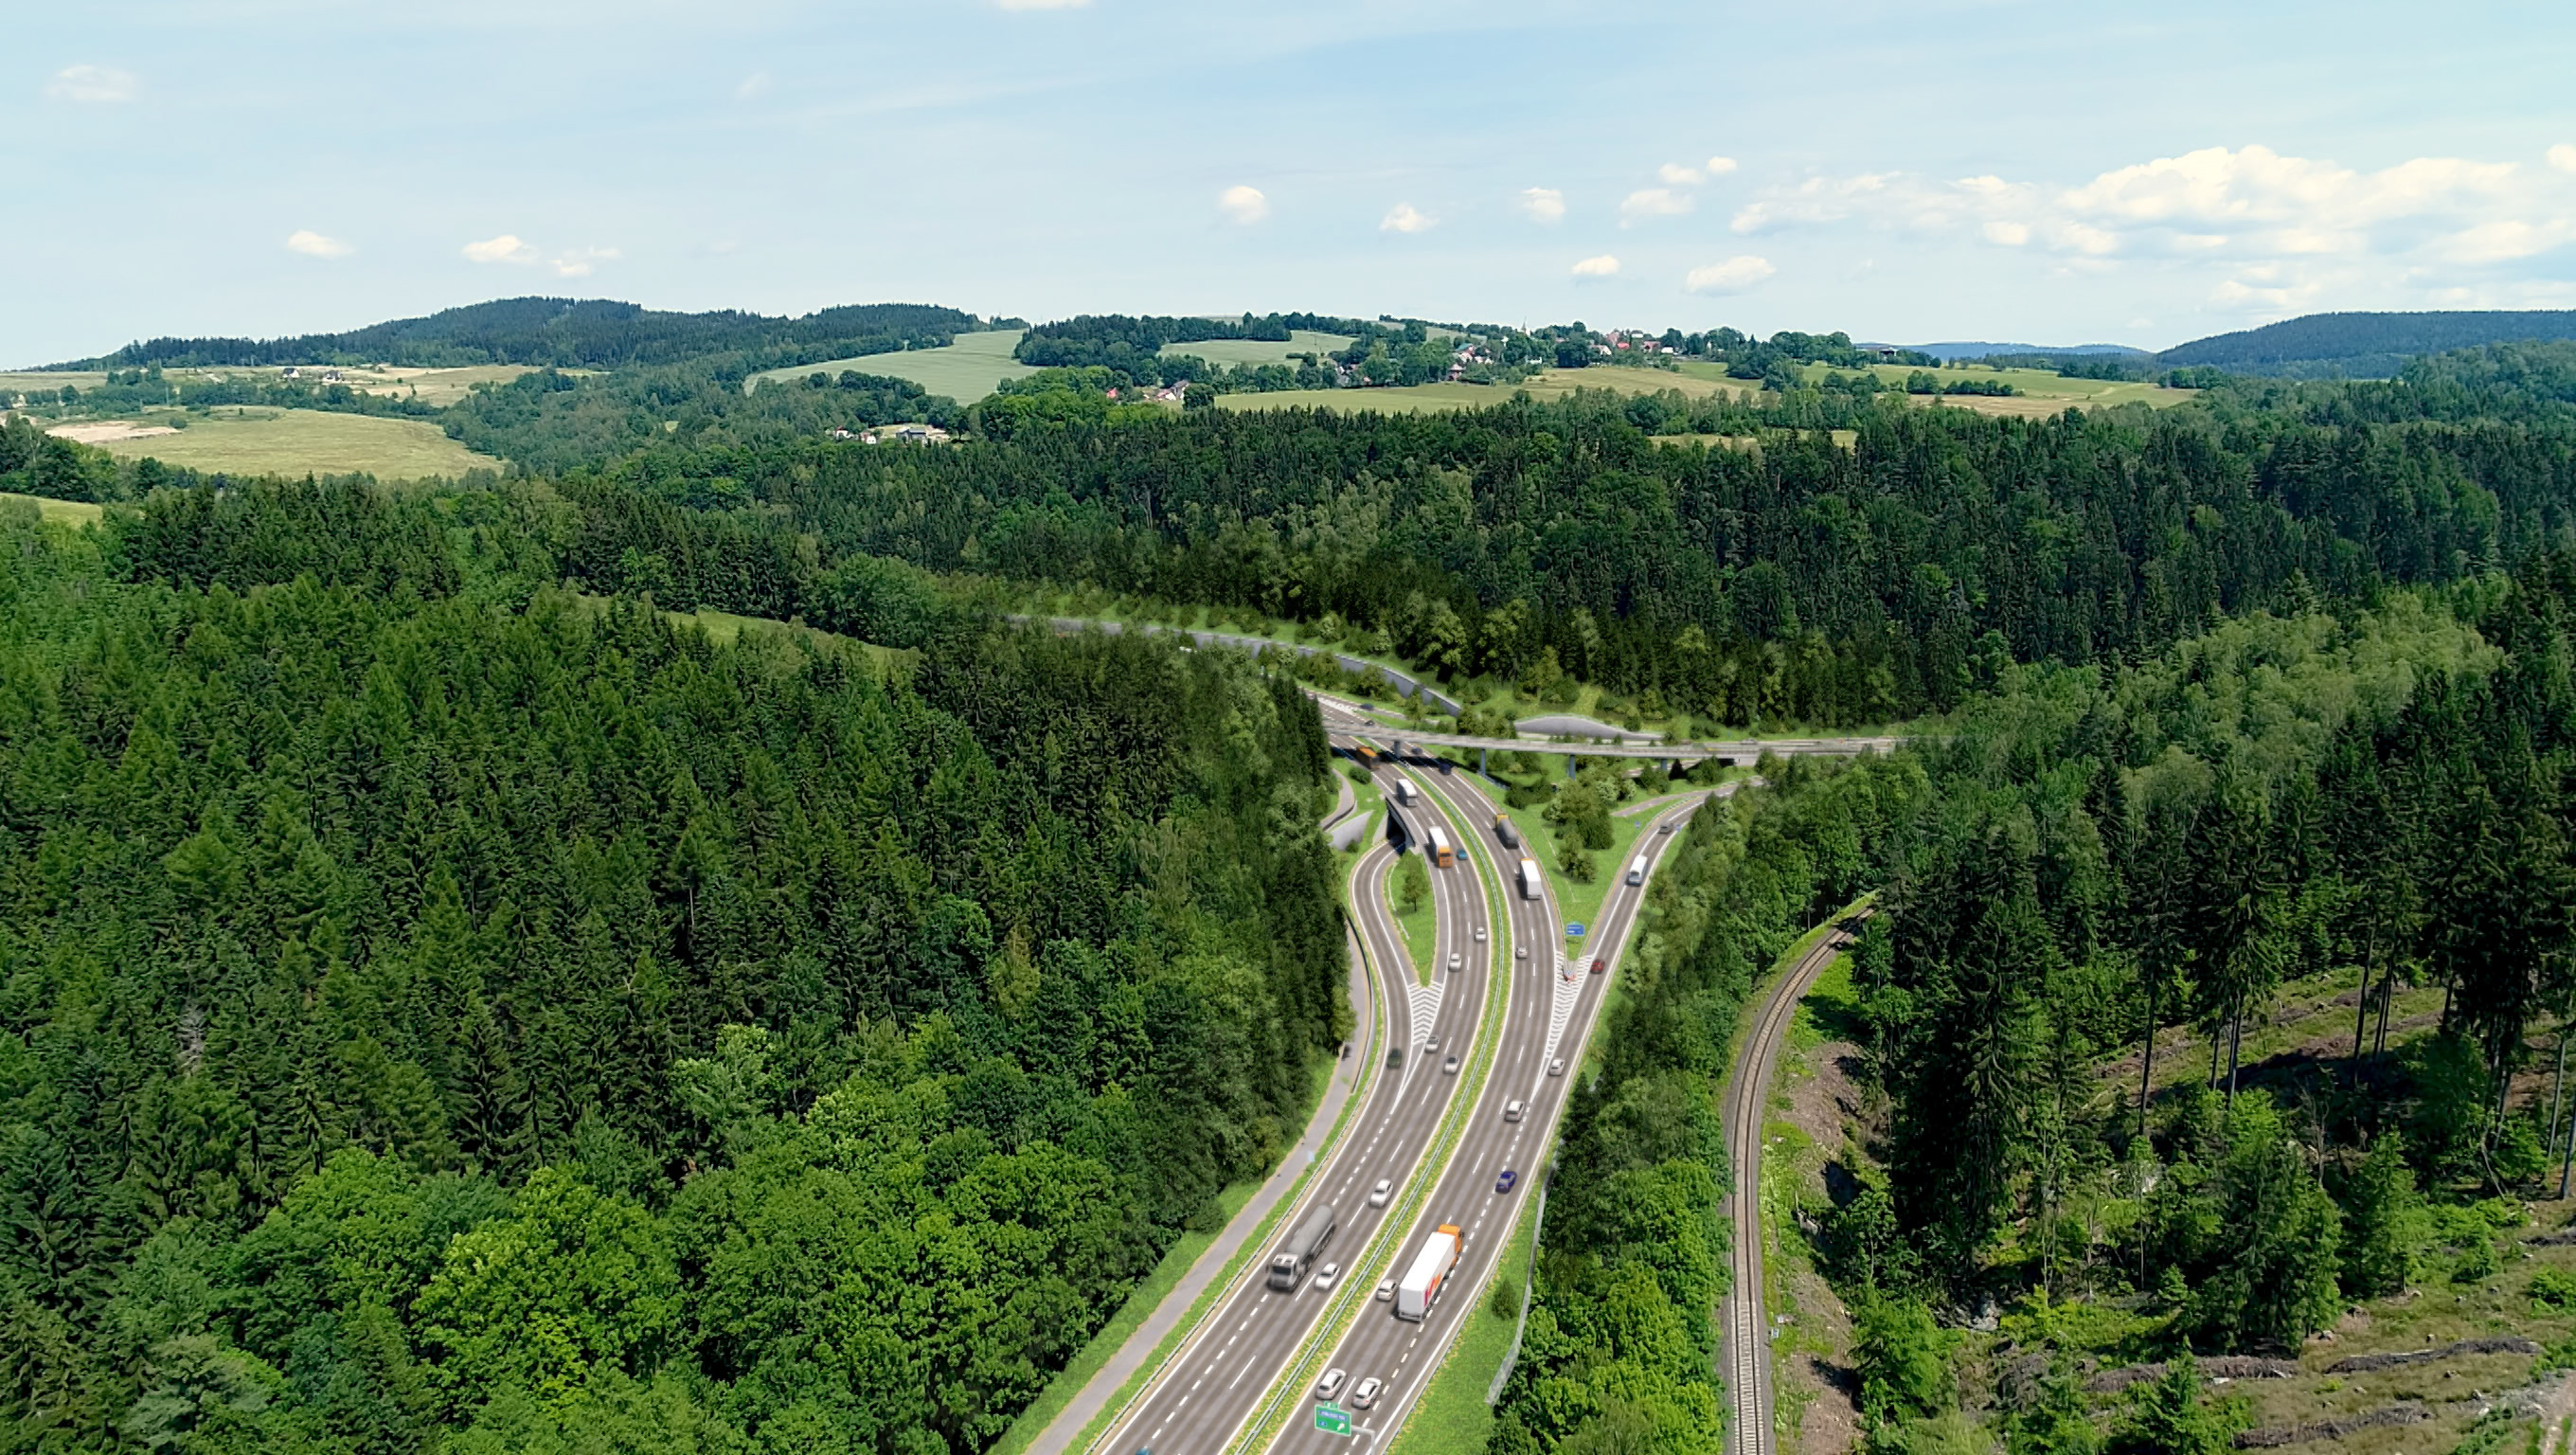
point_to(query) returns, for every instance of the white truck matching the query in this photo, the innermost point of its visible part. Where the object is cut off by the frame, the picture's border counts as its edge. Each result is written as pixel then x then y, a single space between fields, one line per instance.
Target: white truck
pixel 1531 882
pixel 1404 791
pixel 1637 870
pixel 1420 1285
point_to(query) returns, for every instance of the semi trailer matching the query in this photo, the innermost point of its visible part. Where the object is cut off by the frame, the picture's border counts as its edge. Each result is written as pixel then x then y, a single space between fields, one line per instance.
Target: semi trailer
pixel 1507 831
pixel 1531 882
pixel 1432 1266
pixel 1442 856
pixel 1295 1256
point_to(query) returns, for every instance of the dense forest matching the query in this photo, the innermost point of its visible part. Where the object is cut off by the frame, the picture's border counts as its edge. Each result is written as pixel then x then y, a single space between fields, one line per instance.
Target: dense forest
pixel 1806 580
pixel 2364 345
pixel 440 1005
pixel 565 333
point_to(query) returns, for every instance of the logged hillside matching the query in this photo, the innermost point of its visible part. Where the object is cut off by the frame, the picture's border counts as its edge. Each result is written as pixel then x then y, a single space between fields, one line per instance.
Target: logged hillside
pixel 438 1009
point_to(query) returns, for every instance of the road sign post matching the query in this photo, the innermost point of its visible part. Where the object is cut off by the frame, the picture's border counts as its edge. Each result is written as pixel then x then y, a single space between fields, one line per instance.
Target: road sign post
pixel 1574 930
pixel 1332 1419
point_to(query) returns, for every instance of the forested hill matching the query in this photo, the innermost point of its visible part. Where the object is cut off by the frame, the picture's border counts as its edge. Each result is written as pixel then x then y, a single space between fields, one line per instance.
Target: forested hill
pixel 436 1005
pixel 565 333
pixel 2363 345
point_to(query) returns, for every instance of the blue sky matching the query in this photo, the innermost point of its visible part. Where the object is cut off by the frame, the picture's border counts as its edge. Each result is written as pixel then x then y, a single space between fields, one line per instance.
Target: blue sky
pixel 1923 171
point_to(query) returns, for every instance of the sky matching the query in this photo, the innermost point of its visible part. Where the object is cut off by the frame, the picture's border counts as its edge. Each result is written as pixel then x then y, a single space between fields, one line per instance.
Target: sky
pixel 1919 172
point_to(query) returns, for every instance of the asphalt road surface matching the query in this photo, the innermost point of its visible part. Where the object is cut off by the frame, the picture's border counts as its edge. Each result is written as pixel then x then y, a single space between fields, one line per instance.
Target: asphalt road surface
pixel 1204 1394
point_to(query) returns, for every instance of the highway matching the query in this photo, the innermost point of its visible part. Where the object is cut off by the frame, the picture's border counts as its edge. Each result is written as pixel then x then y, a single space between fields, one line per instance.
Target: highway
pixel 1227 1365
pixel 1747 1098
pixel 1343 717
pixel 1554 1005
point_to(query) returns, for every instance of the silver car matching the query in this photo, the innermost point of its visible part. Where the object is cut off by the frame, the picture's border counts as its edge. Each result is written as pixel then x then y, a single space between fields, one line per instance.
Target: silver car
pixel 1364 1393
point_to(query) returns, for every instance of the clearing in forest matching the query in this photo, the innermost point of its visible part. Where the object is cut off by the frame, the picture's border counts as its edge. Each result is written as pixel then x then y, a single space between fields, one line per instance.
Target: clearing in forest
pixel 966 370
pixel 1231 351
pixel 249 441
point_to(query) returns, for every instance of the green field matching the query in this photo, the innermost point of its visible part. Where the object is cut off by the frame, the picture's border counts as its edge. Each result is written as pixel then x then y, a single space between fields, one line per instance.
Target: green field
pixel 2042 392
pixel 967 370
pixel 307 441
pixel 1232 351
pixel 1553 384
pixel 69 512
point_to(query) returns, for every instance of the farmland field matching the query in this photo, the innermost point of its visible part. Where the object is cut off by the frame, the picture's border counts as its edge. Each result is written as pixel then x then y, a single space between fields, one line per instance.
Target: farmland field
pixel 1232 351
pixel 307 441
pixel 965 371
pixel 2042 392
pixel 69 512
pixel 1553 384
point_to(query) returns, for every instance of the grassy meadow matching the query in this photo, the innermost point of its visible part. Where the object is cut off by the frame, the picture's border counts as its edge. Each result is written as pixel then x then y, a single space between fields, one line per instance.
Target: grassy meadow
pixel 1553 384
pixel 249 441
pixel 967 370
pixel 1231 351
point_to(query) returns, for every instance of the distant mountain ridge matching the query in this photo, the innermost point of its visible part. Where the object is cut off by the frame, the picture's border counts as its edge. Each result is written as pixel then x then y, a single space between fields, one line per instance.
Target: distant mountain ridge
pixel 590 333
pixel 1970 349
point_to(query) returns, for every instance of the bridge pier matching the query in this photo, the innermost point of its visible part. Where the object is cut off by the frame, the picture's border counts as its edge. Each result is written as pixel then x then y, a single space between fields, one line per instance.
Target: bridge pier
pixel 1480 763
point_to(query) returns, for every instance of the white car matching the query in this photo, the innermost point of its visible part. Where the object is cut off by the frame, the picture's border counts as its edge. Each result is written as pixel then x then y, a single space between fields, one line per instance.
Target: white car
pixel 1556 1066
pixel 1520 952
pixel 1386 1291
pixel 1364 1393
pixel 1329 1385
pixel 1513 1109
pixel 1379 1194
pixel 1456 962
pixel 1326 1276
pixel 1480 934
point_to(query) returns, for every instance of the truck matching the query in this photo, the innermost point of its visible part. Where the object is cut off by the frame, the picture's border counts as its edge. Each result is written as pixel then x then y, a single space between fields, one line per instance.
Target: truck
pixel 1442 856
pixel 1530 880
pixel 1404 791
pixel 1636 869
pixel 1295 1256
pixel 1420 1286
pixel 1507 831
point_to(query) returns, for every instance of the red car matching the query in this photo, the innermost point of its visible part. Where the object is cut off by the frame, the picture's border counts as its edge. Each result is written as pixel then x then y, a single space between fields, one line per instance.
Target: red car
pixel 1601 966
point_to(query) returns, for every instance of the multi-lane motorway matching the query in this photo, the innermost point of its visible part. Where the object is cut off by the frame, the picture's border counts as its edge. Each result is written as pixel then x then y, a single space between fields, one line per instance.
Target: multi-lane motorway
pixel 1554 1003
pixel 1207 1390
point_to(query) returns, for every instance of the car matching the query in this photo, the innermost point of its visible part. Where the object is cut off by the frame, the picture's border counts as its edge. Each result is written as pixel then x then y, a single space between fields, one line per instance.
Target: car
pixel 1364 1393
pixel 1394 1057
pixel 1520 952
pixel 1329 1385
pixel 1431 1045
pixel 1513 1109
pixel 1457 962
pixel 1449 1067
pixel 1480 934
pixel 1600 965
pixel 1326 1276
pixel 1507 1181
pixel 1556 1066
pixel 1665 827
pixel 1379 1194
pixel 1386 1291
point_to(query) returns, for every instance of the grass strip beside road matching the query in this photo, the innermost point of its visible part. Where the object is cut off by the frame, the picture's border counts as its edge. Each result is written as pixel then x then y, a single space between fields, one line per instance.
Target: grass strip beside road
pixel 1420 924
pixel 1451 1417
pixel 1392 1233
pixel 1101 1423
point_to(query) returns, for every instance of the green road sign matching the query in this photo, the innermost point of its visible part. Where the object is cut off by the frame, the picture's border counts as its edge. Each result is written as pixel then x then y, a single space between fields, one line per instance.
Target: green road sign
pixel 1332 1419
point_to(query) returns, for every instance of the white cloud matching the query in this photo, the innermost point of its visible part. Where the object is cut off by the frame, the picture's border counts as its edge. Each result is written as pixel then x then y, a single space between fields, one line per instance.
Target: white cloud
pixel 1652 202
pixel 1679 176
pixel 754 85
pixel 1242 206
pixel 507 248
pixel 1732 276
pixel 1604 266
pixel 1042 4
pixel 1402 217
pixel 1718 166
pixel 1815 200
pixel 96 85
pixel 579 262
pixel 1544 204
pixel 2563 157
pixel 315 245
pixel 2007 234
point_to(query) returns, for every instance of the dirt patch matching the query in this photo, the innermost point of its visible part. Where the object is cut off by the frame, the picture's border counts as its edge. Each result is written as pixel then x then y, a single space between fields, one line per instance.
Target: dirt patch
pixel 1824 1101
pixel 2364 1363
pixel 2378 1419
pixel 107 431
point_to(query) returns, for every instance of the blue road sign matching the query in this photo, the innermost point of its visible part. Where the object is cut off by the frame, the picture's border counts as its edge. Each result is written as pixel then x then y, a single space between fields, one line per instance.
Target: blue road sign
pixel 1573 931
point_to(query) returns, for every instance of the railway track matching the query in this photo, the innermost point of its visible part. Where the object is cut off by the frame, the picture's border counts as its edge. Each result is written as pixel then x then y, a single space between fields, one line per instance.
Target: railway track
pixel 1748 1099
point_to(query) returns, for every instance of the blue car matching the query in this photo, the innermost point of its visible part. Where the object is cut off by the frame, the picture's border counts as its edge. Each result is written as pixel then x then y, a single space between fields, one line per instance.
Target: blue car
pixel 1505 1182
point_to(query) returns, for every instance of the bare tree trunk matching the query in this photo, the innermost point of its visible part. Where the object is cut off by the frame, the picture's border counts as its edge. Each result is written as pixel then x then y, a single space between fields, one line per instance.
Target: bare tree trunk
pixel 2235 1044
pixel 2557 1089
pixel 2361 1007
pixel 2147 1077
